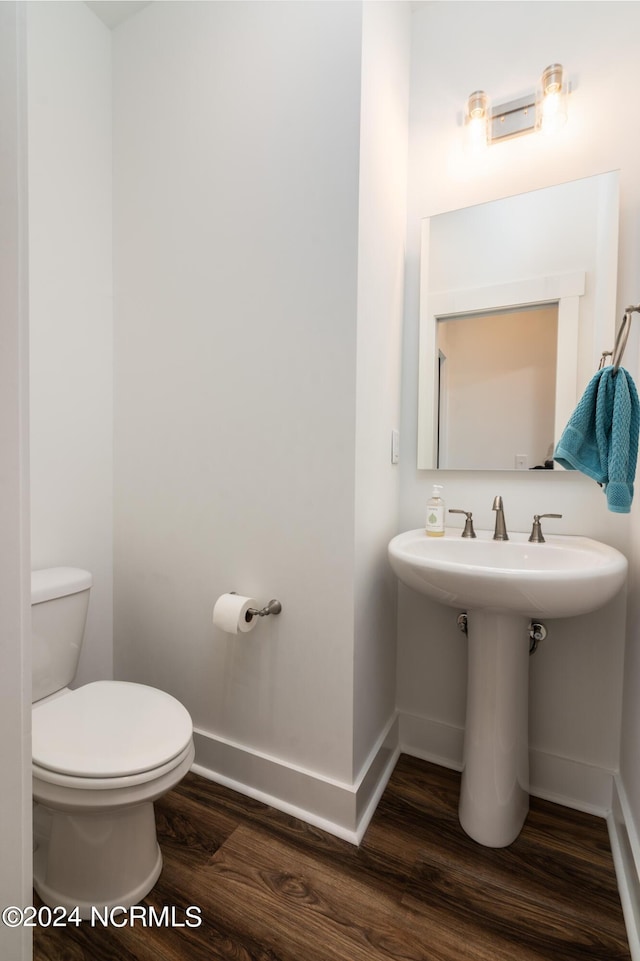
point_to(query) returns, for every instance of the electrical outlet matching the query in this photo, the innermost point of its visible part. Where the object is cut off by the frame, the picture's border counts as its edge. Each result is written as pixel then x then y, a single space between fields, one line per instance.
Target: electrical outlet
pixel 521 461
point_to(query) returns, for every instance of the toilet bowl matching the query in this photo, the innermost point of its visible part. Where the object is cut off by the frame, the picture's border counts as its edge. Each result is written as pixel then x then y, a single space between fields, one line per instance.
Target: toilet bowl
pixel 101 755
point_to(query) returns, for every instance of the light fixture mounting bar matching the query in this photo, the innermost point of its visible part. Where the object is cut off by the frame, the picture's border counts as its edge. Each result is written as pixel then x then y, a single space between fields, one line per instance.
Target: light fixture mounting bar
pixel 514 118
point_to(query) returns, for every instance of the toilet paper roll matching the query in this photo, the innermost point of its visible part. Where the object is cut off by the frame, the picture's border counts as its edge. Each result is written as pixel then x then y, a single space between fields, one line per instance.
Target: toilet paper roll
pixel 230 613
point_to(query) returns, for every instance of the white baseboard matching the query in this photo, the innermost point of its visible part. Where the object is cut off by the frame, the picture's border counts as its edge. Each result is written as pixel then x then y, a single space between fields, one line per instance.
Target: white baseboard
pixel 625 847
pixel 574 784
pixel 431 740
pixel 563 780
pixel 335 806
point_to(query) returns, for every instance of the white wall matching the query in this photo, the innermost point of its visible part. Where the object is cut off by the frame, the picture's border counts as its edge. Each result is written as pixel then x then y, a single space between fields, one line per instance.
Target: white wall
pixel 383 189
pixel 70 278
pixel 239 275
pixel 15 668
pixel 236 149
pixel 577 674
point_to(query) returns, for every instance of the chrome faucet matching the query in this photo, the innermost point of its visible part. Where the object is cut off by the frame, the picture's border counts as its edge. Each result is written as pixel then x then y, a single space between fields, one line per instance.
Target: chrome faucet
pixel 500 532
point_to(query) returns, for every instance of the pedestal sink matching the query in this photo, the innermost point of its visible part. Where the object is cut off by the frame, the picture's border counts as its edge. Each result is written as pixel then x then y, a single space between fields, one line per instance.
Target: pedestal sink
pixel 501 585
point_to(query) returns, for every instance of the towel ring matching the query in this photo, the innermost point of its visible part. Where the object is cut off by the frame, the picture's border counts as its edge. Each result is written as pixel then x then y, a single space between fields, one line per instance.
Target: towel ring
pixel 605 354
pixel 621 341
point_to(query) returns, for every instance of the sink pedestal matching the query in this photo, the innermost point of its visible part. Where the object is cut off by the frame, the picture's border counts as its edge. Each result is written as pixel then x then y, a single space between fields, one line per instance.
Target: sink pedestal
pixel 494 794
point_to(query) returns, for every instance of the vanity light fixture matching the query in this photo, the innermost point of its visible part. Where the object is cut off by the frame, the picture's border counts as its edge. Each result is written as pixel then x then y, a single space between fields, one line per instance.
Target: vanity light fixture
pixel 544 109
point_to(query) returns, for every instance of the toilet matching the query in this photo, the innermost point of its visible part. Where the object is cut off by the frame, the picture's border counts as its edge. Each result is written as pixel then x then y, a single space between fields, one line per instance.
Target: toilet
pixel 101 755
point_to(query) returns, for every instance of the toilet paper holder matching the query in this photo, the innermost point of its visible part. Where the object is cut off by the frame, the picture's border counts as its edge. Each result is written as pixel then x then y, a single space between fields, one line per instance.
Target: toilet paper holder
pixel 273 607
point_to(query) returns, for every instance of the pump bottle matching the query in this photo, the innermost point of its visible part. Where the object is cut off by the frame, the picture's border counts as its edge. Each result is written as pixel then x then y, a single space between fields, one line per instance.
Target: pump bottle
pixel 435 513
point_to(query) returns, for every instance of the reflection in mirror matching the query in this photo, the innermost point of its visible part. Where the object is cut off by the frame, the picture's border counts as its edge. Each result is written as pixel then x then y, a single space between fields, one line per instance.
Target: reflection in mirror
pixel 517 302
pixel 497 361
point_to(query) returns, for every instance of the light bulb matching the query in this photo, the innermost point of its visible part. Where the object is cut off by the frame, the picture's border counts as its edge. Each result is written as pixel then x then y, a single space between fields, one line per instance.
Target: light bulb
pixel 476 120
pixel 553 103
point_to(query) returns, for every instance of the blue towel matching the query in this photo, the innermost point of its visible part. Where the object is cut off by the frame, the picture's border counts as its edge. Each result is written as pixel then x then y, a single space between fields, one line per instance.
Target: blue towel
pixel 601 438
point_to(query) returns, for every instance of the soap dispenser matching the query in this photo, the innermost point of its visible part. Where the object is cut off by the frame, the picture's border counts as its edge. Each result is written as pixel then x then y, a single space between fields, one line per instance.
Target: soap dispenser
pixel 435 513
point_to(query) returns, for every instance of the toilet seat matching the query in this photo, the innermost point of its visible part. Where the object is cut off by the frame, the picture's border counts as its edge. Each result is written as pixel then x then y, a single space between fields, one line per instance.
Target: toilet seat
pixel 111 783
pixel 109 734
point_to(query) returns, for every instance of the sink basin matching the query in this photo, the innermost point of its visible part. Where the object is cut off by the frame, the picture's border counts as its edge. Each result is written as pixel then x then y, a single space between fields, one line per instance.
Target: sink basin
pixel 565 576
pixel 501 585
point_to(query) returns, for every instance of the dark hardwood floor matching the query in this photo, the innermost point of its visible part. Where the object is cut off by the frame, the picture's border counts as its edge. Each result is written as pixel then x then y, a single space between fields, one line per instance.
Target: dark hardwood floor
pixel 272 888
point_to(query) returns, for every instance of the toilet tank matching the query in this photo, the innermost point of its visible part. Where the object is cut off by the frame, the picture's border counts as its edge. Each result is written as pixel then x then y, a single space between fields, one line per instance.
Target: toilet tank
pixel 59 604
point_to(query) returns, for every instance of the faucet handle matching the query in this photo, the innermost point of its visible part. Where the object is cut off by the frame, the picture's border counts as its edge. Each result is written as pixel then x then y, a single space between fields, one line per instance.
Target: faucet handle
pixel 468 526
pixel 536 531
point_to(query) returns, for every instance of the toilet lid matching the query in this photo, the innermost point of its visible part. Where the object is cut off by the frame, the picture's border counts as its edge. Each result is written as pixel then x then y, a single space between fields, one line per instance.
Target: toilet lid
pixel 109 729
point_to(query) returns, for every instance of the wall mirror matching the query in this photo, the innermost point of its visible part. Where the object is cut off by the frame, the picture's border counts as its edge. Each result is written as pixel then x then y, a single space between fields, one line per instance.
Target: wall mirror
pixel 517 303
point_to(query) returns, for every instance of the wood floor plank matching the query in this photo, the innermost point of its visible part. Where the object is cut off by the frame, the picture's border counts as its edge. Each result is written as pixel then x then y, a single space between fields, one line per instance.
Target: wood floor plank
pixel 250 811
pixel 90 944
pixel 557 880
pixel 532 922
pixel 272 888
pixel 300 905
pixel 192 830
pixel 531 866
